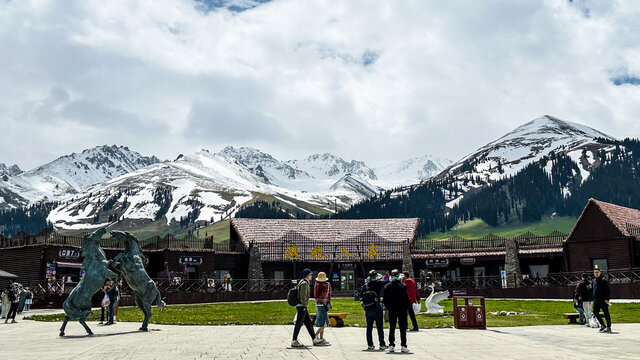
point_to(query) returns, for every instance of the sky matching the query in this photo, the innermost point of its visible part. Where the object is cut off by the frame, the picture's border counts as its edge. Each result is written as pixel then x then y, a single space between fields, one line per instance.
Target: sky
pixel 379 81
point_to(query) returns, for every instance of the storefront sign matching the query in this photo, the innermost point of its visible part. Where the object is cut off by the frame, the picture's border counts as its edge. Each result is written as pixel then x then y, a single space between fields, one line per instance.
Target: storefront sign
pixel 468 261
pixel 347 266
pixel 190 260
pixel 71 254
pixel 437 263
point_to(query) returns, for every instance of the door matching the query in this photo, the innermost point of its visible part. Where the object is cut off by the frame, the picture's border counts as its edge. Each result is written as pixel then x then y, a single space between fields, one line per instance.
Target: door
pixel 478 273
pixel 347 280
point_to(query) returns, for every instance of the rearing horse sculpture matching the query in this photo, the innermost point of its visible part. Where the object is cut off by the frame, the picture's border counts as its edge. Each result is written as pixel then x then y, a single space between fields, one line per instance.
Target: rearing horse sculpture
pixel 130 264
pixel 95 265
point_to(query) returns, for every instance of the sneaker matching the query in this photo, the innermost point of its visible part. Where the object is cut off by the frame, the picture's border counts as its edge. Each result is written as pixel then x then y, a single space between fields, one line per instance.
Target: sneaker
pixel 413 329
pixel 325 342
pixel 603 329
pixel 101 322
pixel 371 348
pixel 13 321
pixel 608 330
pixel 296 344
pixel 392 348
pixel 404 349
pixel 317 342
pixel 383 347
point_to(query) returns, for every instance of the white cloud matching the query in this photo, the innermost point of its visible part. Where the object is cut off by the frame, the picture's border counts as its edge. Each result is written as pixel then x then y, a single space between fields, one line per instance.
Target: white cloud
pixel 378 81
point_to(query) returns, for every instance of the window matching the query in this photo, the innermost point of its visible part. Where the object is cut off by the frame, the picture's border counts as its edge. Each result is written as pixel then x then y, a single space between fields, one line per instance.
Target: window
pixel 601 264
pixel 278 277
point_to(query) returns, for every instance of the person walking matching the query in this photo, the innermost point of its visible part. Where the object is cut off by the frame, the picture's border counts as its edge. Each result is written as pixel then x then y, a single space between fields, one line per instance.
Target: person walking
pixel 396 300
pixel 22 299
pixel 6 304
pixel 14 299
pixel 302 314
pixel 601 297
pixel 29 300
pixel 370 295
pixel 583 298
pixel 322 294
pixel 414 297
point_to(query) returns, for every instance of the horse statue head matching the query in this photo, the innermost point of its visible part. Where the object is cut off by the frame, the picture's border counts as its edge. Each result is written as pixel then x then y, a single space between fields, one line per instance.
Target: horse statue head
pixel 91 245
pixel 129 242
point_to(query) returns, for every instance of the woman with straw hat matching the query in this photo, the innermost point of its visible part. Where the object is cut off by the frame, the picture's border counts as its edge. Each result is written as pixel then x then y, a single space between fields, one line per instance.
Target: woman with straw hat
pixel 322 294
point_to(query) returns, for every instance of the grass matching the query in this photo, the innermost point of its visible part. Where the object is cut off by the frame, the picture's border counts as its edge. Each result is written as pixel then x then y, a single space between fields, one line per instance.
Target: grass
pixel 477 228
pixel 279 313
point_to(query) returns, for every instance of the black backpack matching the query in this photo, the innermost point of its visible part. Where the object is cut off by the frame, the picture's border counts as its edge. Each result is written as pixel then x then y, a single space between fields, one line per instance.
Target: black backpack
pixel 12 295
pixel 292 296
pixel 368 298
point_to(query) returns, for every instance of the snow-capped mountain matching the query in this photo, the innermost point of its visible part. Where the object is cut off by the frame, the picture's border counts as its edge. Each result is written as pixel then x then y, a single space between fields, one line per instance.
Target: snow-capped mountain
pixel 12 170
pixel 408 171
pixel 327 165
pixel 524 145
pixel 74 173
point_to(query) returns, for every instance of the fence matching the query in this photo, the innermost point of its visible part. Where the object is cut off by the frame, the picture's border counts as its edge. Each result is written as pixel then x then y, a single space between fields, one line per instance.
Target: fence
pixel 490 241
pixel 169 241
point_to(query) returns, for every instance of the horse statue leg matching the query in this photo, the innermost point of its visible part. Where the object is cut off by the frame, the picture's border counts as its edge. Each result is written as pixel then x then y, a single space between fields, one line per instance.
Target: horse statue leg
pixel 146 310
pixel 83 322
pixel 64 325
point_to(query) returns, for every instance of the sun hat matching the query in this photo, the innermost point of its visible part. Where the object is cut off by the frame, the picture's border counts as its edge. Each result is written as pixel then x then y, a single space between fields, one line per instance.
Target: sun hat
pixel 322 277
pixel 306 272
pixel 374 276
pixel 395 274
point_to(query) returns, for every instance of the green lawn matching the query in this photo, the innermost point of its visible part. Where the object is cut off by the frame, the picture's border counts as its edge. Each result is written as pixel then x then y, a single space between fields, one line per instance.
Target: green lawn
pixel 279 313
pixel 477 228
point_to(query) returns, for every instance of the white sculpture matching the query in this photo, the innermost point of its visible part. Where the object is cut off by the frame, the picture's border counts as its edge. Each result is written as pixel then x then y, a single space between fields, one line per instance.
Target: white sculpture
pixel 431 303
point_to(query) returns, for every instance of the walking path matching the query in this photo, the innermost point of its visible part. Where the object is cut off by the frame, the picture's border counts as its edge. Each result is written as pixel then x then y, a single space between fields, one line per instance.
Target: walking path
pixel 39 340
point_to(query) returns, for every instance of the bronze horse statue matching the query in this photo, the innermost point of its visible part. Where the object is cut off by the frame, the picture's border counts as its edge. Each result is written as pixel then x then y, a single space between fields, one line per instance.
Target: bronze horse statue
pixel 96 271
pixel 131 265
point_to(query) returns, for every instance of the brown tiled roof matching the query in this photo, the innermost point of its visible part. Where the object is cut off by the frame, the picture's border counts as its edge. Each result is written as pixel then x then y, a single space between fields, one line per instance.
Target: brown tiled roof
pixel 267 230
pixel 478 253
pixel 621 217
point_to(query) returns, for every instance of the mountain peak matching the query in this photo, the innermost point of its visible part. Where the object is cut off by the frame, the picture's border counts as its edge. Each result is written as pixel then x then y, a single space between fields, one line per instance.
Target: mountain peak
pixel 550 126
pixel 12 170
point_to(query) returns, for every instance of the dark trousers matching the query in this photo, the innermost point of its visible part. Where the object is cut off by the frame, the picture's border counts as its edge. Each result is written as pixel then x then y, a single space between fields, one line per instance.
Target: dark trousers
pixel 412 315
pixel 303 318
pixel 110 313
pixel 400 317
pixel 597 306
pixel 12 311
pixel 102 308
pixel 374 316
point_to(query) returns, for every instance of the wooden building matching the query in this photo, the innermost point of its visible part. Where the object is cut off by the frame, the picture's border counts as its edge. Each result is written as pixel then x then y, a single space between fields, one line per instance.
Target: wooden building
pixel 346 250
pixel 606 235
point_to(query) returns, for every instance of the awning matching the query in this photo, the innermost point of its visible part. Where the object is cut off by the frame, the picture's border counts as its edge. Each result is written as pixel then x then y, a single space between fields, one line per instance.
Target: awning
pixel 69 265
pixel 7 275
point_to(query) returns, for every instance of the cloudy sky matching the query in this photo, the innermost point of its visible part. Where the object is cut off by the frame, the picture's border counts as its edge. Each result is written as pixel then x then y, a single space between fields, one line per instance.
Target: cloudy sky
pixel 379 81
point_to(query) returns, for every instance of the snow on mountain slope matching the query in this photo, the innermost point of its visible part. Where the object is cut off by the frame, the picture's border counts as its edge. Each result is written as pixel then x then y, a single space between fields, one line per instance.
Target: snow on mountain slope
pixel 74 173
pixel 410 171
pixel 12 170
pixel 322 166
pixel 524 145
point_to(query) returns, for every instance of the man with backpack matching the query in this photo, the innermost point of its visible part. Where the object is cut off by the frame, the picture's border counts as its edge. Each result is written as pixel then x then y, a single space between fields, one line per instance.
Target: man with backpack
pixel 301 293
pixel 14 299
pixel 370 299
pixel 396 300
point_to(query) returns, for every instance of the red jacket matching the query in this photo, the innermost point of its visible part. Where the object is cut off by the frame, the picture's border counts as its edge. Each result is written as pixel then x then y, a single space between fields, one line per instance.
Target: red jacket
pixel 412 290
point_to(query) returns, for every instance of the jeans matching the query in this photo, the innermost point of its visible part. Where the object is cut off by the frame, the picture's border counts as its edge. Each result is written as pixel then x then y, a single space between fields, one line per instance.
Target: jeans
pixel 110 313
pixel 303 318
pixel 597 306
pixel 400 317
pixel 374 316
pixel 581 312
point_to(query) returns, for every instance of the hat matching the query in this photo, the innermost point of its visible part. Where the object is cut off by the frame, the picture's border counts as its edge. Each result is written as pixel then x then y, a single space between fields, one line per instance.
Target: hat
pixel 322 277
pixel 596 268
pixel 306 272
pixel 395 274
pixel 373 276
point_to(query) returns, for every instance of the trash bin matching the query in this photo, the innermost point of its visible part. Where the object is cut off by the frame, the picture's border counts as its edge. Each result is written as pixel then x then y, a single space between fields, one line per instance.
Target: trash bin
pixel 469 312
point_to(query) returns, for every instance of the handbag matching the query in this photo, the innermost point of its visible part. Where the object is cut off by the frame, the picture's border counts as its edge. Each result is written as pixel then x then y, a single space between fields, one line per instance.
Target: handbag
pixel 416 308
pixel 105 301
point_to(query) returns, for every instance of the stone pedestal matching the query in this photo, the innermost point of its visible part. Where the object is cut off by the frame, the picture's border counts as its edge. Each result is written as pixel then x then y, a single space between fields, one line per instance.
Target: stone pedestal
pixel 255 269
pixel 512 263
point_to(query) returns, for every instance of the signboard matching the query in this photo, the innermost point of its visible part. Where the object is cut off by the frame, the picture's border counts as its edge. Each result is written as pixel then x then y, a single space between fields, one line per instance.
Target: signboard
pixel 190 260
pixel 70 254
pixel 468 261
pixel 459 292
pixel 437 263
pixel 503 277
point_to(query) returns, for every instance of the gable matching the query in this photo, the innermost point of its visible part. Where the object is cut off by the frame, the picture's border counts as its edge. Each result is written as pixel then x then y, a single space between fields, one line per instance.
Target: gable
pixel 593 224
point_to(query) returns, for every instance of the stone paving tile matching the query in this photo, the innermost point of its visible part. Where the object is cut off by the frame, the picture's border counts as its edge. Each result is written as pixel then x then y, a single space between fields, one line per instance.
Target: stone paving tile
pixel 36 340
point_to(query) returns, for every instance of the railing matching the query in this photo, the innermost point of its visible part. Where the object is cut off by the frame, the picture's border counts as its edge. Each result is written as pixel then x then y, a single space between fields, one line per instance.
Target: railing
pixel 490 242
pixel 153 243
pixel 554 279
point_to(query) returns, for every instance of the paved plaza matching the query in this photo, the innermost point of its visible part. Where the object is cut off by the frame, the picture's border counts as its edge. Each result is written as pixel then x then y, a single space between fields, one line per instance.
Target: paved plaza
pixel 39 340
